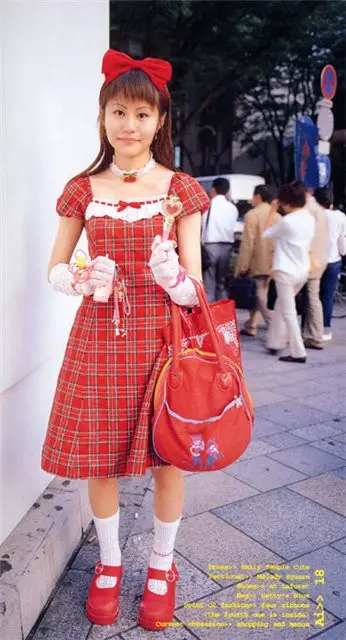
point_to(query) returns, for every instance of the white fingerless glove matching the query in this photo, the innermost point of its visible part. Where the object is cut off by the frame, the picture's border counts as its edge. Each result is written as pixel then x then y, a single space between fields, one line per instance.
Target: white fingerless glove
pixel 62 279
pixel 170 275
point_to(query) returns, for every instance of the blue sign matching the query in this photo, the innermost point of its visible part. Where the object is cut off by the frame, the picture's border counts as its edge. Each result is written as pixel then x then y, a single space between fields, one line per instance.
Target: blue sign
pixel 324 170
pixel 305 142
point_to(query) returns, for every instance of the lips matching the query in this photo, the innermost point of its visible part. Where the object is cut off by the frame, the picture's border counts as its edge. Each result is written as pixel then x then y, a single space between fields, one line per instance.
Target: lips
pixel 127 140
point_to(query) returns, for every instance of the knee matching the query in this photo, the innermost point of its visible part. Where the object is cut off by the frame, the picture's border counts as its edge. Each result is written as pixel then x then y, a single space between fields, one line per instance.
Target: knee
pixel 166 477
pixel 102 483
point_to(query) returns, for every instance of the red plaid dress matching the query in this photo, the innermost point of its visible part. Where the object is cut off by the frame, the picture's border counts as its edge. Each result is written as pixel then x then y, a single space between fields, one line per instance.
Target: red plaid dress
pixel 99 425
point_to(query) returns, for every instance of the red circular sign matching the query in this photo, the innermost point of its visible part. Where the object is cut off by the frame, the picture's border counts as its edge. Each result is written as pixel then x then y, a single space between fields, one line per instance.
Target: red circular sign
pixel 329 82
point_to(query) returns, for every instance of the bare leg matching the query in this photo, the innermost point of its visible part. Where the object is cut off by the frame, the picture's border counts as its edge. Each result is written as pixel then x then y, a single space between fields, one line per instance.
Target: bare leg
pixel 103 496
pixel 168 493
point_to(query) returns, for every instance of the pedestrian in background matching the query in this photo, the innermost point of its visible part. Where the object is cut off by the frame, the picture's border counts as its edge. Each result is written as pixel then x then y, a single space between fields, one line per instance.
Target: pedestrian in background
pixel 256 256
pixel 312 318
pixel 336 249
pixel 218 226
pixel 293 235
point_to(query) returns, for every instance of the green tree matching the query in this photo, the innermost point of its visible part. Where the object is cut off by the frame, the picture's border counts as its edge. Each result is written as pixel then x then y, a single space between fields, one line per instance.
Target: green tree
pixel 244 69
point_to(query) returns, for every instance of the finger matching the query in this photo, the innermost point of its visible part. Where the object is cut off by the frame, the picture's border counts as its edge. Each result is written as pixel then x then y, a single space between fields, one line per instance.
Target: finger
pixel 156 243
pixel 96 284
pixel 167 245
pixel 158 258
pixel 101 260
pixel 105 259
pixel 104 268
pixel 101 275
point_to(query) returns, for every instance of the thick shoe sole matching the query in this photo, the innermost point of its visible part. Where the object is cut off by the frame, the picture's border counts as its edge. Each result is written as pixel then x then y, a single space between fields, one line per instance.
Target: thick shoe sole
pixel 97 619
pixel 151 625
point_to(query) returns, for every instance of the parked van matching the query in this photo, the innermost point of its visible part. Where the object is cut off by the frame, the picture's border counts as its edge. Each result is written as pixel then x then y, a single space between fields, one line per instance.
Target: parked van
pixel 241 191
pixel 242 185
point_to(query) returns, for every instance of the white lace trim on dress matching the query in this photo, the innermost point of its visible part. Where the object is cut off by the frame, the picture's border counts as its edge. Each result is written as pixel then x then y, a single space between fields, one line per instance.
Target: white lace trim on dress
pixel 129 211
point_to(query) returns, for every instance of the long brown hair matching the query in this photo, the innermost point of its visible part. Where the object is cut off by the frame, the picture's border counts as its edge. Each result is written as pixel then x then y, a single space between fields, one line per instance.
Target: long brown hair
pixel 135 85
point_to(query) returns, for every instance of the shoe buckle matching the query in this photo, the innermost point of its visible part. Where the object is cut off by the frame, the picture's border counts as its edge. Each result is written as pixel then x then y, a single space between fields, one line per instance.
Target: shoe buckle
pixel 170 575
pixel 99 568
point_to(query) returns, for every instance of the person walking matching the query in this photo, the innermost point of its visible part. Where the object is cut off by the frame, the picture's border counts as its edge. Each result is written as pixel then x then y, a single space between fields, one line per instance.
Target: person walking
pixel 255 256
pixel 293 235
pixel 218 226
pixel 99 425
pixel 312 319
pixel 336 250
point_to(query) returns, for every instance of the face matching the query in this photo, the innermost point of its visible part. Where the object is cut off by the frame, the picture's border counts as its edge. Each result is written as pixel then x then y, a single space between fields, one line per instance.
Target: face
pixel 131 126
pixel 256 200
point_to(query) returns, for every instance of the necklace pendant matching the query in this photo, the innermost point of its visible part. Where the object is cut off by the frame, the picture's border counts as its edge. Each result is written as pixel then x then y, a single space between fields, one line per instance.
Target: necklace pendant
pixel 130 178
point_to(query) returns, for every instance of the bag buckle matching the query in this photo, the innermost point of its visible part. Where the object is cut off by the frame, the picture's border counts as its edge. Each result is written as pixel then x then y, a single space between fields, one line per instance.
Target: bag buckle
pixel 99 568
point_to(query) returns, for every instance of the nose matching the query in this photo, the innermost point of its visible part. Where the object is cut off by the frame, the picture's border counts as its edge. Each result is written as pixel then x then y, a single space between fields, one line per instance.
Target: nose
pixel 130 123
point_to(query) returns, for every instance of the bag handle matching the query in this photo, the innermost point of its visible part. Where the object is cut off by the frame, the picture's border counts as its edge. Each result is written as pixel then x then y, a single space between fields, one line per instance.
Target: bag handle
pixel 223 376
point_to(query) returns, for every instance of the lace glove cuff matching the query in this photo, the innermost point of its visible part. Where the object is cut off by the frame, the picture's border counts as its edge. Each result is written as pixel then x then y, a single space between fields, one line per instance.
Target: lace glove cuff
pixel 62 280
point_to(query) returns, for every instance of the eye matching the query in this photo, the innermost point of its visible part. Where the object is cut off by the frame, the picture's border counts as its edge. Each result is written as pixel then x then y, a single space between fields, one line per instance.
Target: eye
pixel 143 115
pixel 118 112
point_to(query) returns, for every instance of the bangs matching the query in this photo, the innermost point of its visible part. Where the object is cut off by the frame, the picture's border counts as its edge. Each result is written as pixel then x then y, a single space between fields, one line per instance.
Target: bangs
pixel 133 86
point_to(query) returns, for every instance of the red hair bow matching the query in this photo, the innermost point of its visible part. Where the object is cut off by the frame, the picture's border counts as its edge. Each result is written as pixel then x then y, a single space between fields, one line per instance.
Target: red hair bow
pixel 115 63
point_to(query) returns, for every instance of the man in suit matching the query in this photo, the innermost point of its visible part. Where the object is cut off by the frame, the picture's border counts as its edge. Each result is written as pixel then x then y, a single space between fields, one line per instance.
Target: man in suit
pixel 256 255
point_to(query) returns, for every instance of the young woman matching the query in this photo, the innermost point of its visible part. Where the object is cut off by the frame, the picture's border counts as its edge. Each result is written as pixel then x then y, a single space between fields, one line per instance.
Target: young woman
pixel 293 235
pixel 99 426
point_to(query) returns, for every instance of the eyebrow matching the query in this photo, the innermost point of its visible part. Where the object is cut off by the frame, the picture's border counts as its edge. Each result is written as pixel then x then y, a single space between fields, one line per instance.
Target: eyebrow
pixel 145 106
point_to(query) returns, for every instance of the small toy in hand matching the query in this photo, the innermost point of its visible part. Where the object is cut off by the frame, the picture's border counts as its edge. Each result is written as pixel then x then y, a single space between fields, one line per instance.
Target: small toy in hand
pixel 81 267
pixel 171 207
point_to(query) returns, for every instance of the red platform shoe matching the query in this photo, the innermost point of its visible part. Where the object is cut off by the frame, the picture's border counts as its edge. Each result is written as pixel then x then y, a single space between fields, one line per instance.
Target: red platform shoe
pixel 102 605
pixel 155 609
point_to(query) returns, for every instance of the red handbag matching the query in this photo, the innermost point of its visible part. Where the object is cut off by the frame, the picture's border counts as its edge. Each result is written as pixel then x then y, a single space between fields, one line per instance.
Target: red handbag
pixel 203 414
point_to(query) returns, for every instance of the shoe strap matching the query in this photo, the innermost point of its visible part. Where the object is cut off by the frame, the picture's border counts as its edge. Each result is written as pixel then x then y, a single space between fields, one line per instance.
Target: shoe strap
pixel 107 570
pixel 170 575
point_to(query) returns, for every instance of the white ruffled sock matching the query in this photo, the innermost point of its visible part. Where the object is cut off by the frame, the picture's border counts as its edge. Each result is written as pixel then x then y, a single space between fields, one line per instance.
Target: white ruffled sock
pixel 110 554
pixel 162 553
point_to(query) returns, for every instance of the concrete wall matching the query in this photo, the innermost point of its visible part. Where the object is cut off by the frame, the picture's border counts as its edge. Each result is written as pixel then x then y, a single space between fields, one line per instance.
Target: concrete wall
pixel 50 80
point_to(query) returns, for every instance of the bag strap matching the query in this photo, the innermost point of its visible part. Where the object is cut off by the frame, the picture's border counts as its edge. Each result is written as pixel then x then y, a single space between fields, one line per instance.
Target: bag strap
pixel 223 376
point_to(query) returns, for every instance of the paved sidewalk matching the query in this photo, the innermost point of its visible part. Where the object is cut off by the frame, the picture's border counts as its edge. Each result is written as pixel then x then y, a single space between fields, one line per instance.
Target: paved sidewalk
pixel 283 502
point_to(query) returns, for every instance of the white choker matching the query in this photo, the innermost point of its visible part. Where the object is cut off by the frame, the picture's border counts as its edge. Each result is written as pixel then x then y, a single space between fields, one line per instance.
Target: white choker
pixel 133 174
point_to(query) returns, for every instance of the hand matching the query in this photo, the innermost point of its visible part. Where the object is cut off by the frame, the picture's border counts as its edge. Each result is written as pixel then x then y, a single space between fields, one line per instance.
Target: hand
pixel 164 261
pixel 102 271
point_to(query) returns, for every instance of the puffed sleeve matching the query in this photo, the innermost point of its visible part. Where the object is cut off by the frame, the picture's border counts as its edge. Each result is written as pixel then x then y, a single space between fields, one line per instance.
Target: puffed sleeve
pixel 74 199
pixel 191 194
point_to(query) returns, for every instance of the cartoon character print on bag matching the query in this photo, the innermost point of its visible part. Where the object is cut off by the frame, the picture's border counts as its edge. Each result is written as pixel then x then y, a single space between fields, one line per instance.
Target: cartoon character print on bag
pixel 198 445
pixel 213 453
